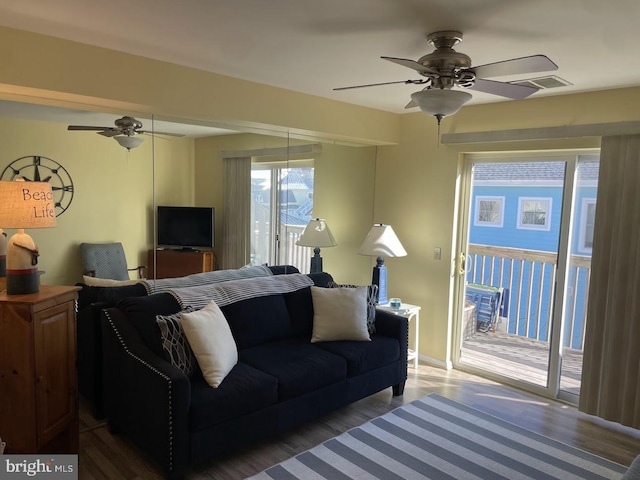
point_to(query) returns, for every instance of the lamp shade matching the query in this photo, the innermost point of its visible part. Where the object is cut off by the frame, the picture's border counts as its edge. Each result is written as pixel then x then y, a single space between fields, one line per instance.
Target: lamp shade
pixel 440 102
pixel 382 241
pixel 26 205
pixel 317 234
pixel 128 141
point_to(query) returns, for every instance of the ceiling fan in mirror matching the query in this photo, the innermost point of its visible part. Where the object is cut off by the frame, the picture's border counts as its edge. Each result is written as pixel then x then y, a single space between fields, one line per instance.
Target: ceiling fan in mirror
pixel 447 73
pixel 126 132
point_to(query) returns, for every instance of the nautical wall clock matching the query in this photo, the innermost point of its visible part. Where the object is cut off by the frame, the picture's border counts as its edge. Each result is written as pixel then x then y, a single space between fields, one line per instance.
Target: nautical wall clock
pixel 35 168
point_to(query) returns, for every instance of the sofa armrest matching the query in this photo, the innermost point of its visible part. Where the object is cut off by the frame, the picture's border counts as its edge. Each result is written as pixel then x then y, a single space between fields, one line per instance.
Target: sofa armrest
pixel 392 325
pixel 89 354
pixel 89 333
pixel 144 394
pixel 395 326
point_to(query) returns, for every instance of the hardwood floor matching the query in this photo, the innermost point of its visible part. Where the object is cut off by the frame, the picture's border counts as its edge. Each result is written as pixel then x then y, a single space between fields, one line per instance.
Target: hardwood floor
pixel 520 358
pixel 105 456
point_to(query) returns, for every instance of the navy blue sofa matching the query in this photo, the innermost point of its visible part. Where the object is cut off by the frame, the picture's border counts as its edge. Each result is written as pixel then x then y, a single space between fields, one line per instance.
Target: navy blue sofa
pixel 280 381
pixel 91 301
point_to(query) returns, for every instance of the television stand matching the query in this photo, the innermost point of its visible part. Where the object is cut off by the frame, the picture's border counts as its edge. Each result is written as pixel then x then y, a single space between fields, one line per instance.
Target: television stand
pixel 179 263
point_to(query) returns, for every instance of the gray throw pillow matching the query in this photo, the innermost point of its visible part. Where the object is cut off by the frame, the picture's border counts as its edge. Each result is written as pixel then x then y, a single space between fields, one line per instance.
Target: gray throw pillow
pixel 372 293
pixel 174 342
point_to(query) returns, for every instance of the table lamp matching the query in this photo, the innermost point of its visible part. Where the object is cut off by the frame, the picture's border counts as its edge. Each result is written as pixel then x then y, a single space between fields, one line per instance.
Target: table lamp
pixel 381 241
pixel 316 234
pixel 24 205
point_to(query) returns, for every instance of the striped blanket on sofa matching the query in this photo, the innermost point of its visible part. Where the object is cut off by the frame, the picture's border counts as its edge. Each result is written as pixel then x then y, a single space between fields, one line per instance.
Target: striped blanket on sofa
pixel 237 290
pixel 206 278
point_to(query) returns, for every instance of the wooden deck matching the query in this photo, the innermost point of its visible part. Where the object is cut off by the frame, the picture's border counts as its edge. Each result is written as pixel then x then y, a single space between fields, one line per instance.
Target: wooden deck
pixel 520 358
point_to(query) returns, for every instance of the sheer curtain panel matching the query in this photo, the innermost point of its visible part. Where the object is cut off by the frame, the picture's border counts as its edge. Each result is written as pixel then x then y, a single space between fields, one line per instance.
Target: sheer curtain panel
pixel 237 212
pixel 611 369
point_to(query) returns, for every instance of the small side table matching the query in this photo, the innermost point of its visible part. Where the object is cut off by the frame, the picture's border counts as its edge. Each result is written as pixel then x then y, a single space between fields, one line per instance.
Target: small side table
pixel 411 312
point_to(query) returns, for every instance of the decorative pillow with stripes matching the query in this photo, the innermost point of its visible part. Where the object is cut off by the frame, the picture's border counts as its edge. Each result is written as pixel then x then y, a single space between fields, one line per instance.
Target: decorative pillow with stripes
pixel 372 294
pixel 174 342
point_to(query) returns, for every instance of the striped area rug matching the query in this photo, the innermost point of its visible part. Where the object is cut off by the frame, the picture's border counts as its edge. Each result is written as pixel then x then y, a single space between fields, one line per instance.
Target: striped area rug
pixel 440 439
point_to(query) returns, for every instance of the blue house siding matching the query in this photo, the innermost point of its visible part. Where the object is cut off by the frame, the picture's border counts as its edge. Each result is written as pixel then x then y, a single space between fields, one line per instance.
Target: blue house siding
pixel 509 235
pixel 511 183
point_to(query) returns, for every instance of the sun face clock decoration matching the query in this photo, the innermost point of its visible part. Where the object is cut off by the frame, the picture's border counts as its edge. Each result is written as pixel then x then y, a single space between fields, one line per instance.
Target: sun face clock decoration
pixel 36 168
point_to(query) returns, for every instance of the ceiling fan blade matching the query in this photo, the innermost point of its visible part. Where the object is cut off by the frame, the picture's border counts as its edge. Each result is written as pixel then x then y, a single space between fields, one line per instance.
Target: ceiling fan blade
pixel 407 82
pixel 412 64
pixel 509 90
pixel 85 128
pixel 149 132
pixel 110 132
pixel 515 66
pixel 411 104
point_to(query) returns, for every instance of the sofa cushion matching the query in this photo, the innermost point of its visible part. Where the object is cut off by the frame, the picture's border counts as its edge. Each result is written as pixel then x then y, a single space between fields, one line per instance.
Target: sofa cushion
pixel 210 339
pixel 299 366
pixel 282 269
pixel 142 311
pixel 363 357
pixel 109 295
pixel 339 314
pixel 258 320
pixel 244 390
pixel 321 279
pixel 174 342
pixel 300 307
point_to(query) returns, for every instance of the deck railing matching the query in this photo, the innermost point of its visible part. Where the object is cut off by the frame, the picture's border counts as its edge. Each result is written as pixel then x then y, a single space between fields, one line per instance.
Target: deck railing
pixel 290 253
pixel 528 277
pixel 299 257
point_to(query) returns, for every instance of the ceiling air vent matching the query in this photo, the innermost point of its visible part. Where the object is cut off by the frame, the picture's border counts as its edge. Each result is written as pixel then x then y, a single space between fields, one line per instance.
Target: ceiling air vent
pixel 550 81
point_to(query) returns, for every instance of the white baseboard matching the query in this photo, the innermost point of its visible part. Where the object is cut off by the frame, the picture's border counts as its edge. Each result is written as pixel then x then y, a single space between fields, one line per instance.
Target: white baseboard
pixel 434 362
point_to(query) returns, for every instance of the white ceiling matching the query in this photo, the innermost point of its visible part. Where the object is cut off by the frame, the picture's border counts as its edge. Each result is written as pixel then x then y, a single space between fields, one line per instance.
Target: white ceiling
pixel 312 46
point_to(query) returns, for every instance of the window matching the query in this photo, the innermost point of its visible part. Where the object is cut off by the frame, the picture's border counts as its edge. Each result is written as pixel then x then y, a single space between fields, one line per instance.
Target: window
pixel 489 211
pixel 281 206
pixel 534 213
pixel 587 220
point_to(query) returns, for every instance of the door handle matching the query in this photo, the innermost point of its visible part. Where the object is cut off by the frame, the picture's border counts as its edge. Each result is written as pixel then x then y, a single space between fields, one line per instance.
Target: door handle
pixel 462 262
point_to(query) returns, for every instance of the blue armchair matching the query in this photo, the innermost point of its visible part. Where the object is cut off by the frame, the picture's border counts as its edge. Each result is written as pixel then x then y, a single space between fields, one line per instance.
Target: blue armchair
pixel 107 260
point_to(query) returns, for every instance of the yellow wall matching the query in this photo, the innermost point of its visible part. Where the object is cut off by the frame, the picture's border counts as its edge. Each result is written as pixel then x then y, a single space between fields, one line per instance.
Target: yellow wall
pixel 415 178
pixel 113 190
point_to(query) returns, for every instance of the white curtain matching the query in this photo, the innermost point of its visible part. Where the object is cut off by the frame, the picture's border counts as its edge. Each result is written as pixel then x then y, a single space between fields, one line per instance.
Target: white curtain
pixel 236 244
pixel 611 369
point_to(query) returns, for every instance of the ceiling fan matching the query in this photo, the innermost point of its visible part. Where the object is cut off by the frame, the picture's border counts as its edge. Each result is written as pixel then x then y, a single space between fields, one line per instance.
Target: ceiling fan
pixel 125 131
pixel 444 68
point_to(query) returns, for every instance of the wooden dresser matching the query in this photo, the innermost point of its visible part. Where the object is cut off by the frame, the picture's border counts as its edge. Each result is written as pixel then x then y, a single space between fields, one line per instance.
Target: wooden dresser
pixel 38 385
pixel 178 263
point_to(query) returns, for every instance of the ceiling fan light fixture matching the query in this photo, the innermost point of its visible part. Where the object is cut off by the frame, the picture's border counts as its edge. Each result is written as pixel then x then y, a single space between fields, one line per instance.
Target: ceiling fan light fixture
pixel 440 102
pixel 128 141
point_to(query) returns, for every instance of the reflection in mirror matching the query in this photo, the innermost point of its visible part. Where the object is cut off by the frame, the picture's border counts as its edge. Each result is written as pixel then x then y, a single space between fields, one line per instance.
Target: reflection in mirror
pixel 281 206
pixel 102 188
pixel 116 191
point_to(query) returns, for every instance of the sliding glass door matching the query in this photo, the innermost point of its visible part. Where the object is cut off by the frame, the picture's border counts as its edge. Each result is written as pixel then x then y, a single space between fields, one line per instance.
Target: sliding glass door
pixel 578 268
pixel 528 232
pixel 281 206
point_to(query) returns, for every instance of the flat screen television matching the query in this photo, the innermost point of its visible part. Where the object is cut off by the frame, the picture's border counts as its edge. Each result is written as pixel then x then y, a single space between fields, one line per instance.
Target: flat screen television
pixel 189 228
